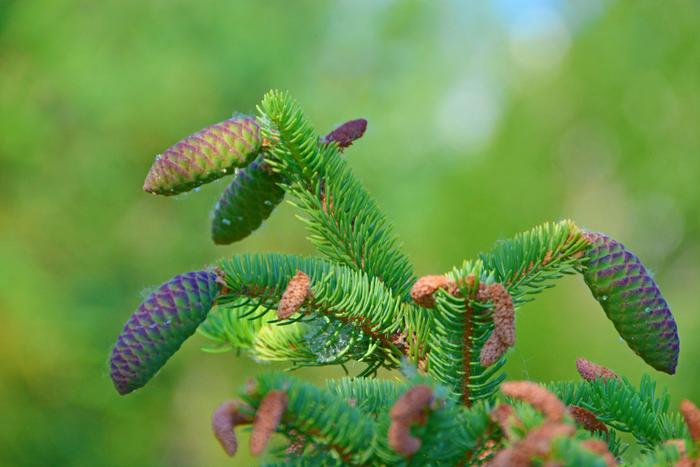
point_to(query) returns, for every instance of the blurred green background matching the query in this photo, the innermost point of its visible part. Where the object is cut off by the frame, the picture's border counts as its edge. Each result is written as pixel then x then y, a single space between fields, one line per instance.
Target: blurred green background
pixel 485 118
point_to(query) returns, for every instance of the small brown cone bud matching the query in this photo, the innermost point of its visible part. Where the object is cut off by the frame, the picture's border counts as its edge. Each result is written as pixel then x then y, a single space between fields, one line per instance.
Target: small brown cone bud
pixel 586 419
pixel 401 440
pixel 538 441
pixel 225 418
pixel 504 416
pixel 503 313
pixel 408 409
pixel 297 291
pixel 492 350
pixel 537 396
pixel 599 447
pixel 591 371
pixel 412 403
pixel 691 414
pixel 424 288
pixel 267 418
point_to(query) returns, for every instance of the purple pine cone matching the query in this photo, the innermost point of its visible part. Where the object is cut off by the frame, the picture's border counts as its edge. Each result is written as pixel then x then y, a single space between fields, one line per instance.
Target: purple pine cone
pixel 209 154
pixel 159 327
pixel 632 301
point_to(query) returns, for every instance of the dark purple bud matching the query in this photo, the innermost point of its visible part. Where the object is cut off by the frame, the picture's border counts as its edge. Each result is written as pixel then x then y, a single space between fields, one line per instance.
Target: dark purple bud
pixel 347 133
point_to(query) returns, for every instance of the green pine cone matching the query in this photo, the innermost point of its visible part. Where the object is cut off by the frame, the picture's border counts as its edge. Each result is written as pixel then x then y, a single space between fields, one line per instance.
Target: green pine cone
pixel 159 327
pixel 632 301
pixel 246 203
pixel 209 154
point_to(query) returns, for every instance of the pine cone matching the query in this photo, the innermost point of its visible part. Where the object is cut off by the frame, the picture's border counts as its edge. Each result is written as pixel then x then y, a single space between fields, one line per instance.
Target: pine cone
pixel 160 325
pixel 209 154
pixel 246 203
pixel 632 301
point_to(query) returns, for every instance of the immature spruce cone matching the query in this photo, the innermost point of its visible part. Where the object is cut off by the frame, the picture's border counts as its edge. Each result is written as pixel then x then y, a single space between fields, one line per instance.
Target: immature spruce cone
pixel 632 301
pixel 209 154
pixel 160 325
pixel 249 199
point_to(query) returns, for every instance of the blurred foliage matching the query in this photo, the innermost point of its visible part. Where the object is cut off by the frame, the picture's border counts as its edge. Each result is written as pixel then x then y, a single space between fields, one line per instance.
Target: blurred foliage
pixel 484 119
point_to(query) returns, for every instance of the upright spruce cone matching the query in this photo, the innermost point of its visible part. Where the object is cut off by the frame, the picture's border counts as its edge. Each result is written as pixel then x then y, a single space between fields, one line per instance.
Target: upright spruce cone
pixel 250 199
pixel 160 325
pixel 632 301
pixel 209 154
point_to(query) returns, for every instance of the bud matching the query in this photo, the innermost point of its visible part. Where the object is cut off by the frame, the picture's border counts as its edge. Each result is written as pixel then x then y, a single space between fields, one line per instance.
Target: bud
pixel 347 133
pixel 225 418
pixel 492 350
pixel 408 409
pixel 691 414
pixel 503 314
pixel 424 288
pixel 159 327
pixel 591 371
pixel 209 154
pixel 537 396
pixel 586 419
pixel 267 418
pixel 297 291
pixel 632 301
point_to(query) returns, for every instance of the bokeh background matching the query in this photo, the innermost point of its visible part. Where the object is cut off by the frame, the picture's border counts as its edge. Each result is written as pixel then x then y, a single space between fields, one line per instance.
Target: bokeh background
pixel 485 118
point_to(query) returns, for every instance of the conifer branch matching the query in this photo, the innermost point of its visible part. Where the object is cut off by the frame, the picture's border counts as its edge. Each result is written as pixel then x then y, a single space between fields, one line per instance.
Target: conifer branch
pixel 449 333
pixel 345 223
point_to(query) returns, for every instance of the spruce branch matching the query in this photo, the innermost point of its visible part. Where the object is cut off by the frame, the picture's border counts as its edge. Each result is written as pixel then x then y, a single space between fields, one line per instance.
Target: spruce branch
pixel 344 221
pixel 342 295
pixel 361 303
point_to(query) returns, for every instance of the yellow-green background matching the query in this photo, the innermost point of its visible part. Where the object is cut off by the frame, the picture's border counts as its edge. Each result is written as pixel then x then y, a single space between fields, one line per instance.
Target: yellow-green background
pixel 485 118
